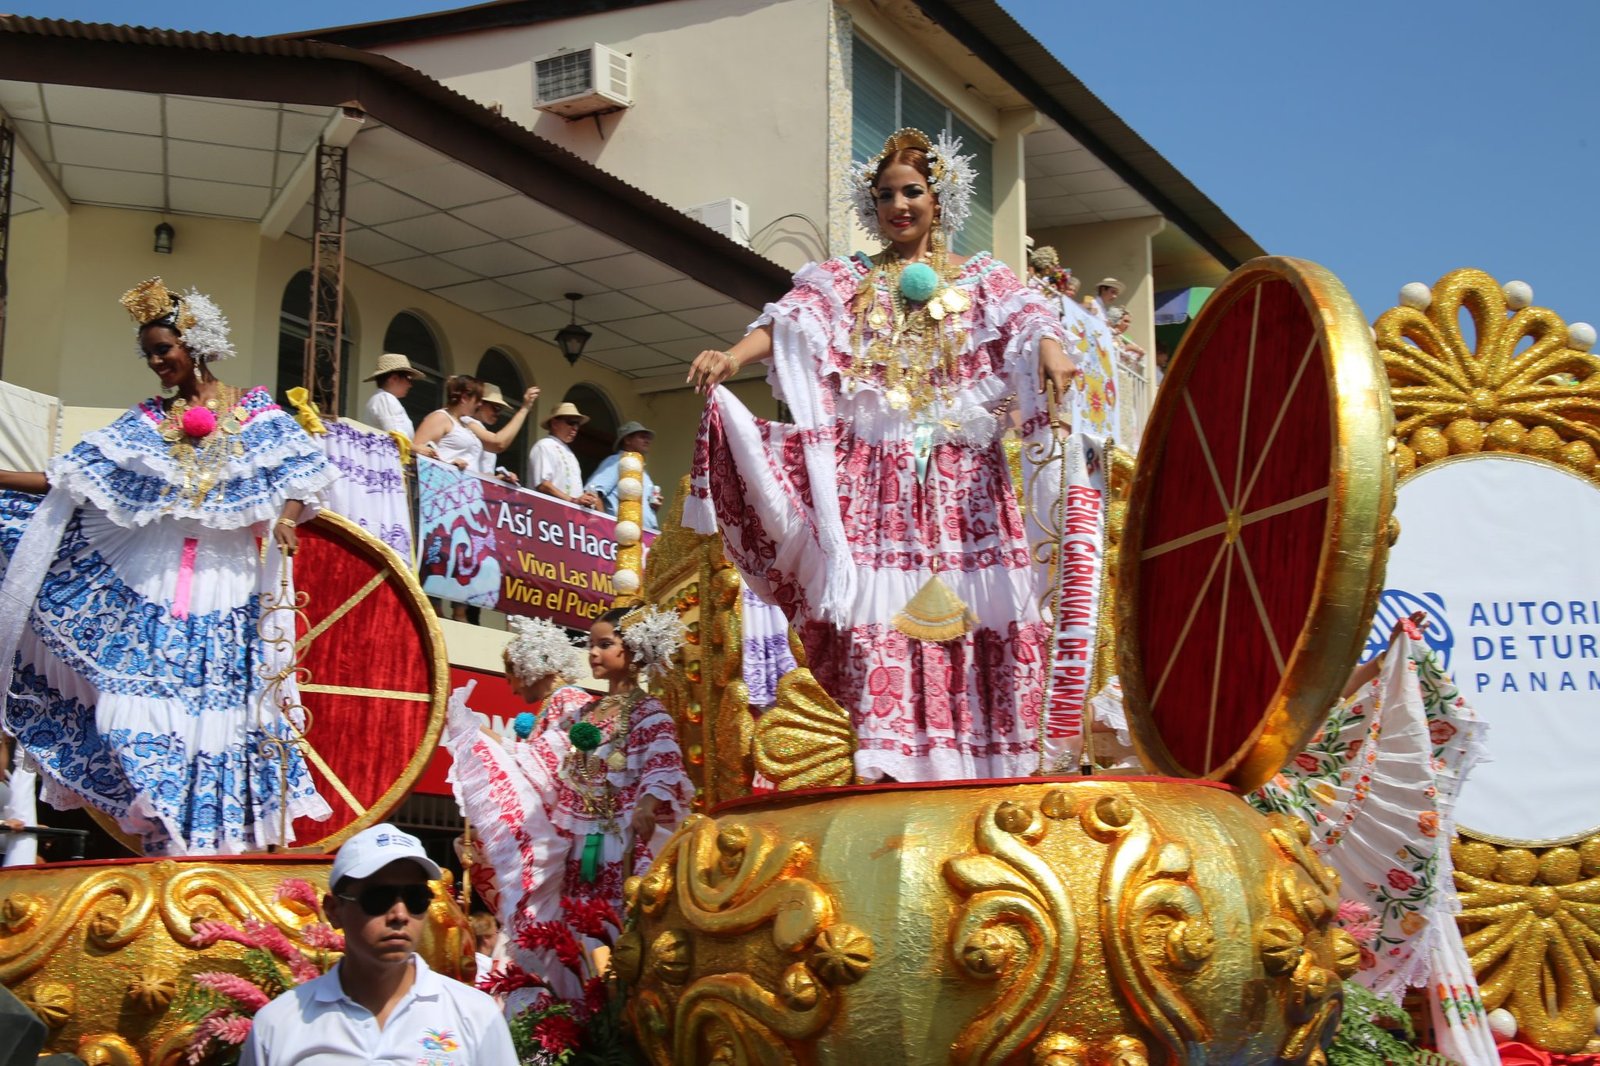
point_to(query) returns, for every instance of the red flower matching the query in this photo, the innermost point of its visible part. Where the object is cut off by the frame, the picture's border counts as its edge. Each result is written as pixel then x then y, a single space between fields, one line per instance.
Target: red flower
pixel 594 995
pixel 590 917
pixel 1401 881
pixel 552 936
pixel 1306 761
pixel 1440 732
pixel 506 981
pixel 556 1033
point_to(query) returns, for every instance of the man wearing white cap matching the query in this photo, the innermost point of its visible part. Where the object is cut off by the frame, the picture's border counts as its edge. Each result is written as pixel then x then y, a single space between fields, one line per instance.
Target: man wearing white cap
pixel 632 437
pixel 394 377
pixel 552 468
pixel 380 1003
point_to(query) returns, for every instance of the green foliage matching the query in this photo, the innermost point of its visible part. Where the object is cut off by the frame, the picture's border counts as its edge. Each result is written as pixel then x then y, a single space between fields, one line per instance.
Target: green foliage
pixel 1376 1032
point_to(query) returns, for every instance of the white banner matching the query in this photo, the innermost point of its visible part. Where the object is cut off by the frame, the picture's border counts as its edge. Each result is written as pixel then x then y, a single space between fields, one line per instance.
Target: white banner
pixel 1077 528
pixel 1500 552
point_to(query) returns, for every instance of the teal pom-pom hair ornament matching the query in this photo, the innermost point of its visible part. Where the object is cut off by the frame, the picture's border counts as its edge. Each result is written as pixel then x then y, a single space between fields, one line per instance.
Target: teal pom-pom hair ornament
pixel 585 736
pixel 523 724
pixel 918 282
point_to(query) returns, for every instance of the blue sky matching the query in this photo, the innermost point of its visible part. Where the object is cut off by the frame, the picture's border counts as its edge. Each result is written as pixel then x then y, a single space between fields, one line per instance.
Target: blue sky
pixel 1390 142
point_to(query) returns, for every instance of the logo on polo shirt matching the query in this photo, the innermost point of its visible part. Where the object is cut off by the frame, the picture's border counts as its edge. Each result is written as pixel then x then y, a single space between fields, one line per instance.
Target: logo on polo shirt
pixel 442 1040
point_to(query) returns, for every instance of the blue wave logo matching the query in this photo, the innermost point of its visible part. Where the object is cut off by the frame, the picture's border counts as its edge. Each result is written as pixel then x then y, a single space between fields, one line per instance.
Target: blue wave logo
pixel 1396 604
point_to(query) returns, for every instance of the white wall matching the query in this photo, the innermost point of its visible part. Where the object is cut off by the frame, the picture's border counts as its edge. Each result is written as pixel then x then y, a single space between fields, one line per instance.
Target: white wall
pixel 728 102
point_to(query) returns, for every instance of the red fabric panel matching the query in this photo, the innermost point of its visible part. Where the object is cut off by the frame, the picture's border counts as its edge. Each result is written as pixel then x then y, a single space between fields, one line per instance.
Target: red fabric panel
pixel 1226 648
pixel 377 644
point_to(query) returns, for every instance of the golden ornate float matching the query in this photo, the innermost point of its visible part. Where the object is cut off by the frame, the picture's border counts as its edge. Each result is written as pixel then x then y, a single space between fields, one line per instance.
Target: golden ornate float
pixel 1059 922
pixel 1518 387
pixel 103 950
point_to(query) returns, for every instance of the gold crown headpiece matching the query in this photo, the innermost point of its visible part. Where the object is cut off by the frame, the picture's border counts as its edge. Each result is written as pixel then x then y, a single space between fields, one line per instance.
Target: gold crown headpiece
pixel 952 178
pixel 151 301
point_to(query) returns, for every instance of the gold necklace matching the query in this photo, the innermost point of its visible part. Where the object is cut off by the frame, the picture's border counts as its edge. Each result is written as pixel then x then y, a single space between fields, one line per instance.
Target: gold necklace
pixel 910 350
pixel 201 439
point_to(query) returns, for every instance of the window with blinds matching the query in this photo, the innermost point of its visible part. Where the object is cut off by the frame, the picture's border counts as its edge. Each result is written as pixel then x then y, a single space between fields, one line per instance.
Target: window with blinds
pixel 884 99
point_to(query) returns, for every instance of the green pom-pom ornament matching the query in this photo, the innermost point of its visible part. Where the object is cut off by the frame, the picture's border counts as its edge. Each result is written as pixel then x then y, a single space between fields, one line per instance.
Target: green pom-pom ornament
pixel 918 283
pixel 585 736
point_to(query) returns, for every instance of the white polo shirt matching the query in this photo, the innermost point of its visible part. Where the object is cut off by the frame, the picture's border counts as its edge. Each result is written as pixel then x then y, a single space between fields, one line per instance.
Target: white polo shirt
pixel 440 1022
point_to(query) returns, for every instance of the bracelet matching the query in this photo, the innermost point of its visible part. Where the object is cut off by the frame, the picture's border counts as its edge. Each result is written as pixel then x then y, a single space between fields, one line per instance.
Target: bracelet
pixel 291 523
pixel 733 364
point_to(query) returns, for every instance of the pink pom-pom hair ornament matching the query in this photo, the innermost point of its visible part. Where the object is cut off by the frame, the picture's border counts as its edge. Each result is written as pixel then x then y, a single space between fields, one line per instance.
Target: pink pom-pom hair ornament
pixel 199 422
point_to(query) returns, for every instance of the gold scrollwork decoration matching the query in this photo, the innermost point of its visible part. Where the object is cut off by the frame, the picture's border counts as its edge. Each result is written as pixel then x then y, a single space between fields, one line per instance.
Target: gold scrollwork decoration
pixel 731 886
pixel 1454 397
pixel 1305 894
pixel 1015 925
pixel 1153 924
pixel 114 905
pixel 199 893
pixel 1531 925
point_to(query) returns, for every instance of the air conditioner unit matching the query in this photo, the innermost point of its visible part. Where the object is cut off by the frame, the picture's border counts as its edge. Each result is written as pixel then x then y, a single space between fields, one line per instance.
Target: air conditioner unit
pixel 729 217
pixel 579 82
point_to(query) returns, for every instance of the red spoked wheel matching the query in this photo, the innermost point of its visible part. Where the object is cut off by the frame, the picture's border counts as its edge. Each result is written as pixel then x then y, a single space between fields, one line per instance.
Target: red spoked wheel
pixel 1257 526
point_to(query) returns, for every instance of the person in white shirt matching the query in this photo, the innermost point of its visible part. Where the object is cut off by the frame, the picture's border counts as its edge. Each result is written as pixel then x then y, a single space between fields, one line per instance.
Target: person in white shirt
pixel 491 408
pixel 394 377
pixel 552 468
pixel 1105 294
pixel 452 435
pixel 380 1003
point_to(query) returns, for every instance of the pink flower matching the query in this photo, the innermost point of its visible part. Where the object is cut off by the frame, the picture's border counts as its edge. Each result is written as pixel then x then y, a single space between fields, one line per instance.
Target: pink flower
pixel 199 422
pixel 1352 910
pixel 294 890
pixel 1368 959
pixel 1363 932
pixel 322 937
pixel 239 989
pixel 271 938
pixel 209 932
pixel 1401 881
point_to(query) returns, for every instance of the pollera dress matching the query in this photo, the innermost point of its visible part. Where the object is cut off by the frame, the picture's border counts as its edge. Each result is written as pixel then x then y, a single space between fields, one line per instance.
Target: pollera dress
pixel 132 660
pixel 843 516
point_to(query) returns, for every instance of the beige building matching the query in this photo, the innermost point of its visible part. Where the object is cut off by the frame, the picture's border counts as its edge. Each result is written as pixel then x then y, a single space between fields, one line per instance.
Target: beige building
pixel 668 162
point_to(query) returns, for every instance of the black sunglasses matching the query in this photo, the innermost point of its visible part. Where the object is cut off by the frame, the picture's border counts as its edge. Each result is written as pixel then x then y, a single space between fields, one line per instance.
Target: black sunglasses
pixel 378 899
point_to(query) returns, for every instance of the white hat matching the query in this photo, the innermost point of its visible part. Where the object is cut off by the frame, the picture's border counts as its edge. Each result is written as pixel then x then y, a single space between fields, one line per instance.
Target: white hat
pixel 376 847
pixel 567 409
pixel 492 394
pixel 1112 284
pixel 389 362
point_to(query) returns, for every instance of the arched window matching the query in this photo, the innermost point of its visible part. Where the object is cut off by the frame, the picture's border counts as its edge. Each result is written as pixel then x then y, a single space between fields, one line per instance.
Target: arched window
pixel 294 326
pixel 497 367
pixel 410 336
pixel 598 437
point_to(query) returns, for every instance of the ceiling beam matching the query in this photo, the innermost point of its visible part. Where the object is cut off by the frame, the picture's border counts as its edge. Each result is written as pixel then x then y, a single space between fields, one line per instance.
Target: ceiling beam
pixel 37 183
pixel 675 382
pixel 341 129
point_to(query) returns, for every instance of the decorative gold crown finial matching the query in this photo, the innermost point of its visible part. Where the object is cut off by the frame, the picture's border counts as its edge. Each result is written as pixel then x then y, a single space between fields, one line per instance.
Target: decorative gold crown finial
pixel 1453 396
pixel 151 300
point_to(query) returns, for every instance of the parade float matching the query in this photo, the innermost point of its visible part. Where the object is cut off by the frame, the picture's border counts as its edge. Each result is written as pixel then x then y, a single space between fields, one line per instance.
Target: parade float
pixel 1059 919
pixel 106 952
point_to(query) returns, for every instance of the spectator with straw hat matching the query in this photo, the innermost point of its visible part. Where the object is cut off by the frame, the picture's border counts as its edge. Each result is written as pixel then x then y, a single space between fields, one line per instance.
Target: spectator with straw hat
pixel 1105 294
pixel 552 467
pixel 492 407
pixel 394 378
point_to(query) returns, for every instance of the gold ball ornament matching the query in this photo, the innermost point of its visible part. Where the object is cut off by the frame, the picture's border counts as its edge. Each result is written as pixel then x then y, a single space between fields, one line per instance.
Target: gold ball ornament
pixel 1465 436
pixel 1505 435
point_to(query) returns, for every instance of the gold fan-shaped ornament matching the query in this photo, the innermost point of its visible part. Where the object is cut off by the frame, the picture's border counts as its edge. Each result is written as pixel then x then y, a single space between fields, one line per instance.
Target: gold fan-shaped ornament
pixel 1454 397
pixel 935 613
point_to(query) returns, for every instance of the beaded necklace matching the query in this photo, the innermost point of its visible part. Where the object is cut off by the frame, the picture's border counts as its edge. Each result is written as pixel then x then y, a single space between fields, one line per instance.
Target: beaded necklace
pixel 201 439
pixel 911 349
pixel 589 774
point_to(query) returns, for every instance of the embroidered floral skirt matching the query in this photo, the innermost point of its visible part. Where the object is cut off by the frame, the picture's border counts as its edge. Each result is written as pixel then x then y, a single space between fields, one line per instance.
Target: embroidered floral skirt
pixel 965 708
pixel 139 683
